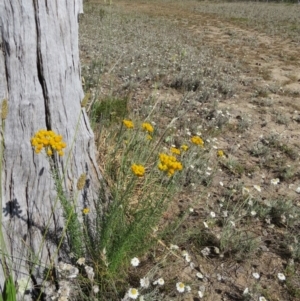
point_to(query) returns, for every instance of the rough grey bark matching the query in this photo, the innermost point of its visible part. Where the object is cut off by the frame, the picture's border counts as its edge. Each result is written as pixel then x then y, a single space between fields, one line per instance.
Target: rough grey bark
pixel 40 78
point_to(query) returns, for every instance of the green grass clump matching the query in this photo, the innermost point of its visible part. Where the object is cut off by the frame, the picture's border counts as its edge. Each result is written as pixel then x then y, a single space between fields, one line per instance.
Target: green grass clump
pixel 110 109
pixel 141 190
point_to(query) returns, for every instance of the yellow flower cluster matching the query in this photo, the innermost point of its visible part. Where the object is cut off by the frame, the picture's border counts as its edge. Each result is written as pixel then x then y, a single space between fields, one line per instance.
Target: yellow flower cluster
pixel 138 170
pixel 175 151
pixel 86 210
pixel 48 140
pixel 184 147
pixel 220 153
pixel 197 140
pixel 146 126
pixel 128 123
pixel 169 164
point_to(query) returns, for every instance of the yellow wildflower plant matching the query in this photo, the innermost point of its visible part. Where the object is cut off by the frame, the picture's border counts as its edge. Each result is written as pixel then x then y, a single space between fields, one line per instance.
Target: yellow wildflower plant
pixel 48 140
pixel 184 147
pixel 128 123
pixel 197 140
pixel 169 164
pixel 175 151
pixel 138 170
pixel 146 126
pixel 220 153
pixel 86 210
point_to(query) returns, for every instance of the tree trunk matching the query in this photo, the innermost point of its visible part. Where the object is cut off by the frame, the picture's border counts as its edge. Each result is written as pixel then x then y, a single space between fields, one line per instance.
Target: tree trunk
pixel 40 79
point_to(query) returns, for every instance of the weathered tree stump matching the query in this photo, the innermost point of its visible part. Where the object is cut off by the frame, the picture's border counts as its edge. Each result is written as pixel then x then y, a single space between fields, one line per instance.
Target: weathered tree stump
pixel 40 78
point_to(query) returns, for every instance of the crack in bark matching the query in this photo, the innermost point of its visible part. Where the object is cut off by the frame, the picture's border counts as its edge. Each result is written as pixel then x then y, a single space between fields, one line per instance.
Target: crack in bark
pixel 6 51
pixel 40 67
pixel 47 8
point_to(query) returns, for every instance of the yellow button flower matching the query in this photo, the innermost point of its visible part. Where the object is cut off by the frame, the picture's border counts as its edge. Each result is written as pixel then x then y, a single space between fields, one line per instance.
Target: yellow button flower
pixel 138 170
pixel 128 123
pixel 86 210
pixel 220 153
pixel 184 147
pixel 175 151
pixel 197 140
pixel 146 126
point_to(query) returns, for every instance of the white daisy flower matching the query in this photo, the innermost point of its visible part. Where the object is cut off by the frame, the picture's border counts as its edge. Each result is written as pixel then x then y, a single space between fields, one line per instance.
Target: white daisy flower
pixel 95 289
pixel 191 209
pixel 144 282
pixel 174 247
pixel 160 281
pixel 199 275
pixel 205 251
pixel 135 261
pixel 81 261
pixel 187 258
pixel 253 213
pixel 245 191
pixel 275 181
pixel 180 287
pixel 256 275
pixel 212 214
pixel 200 294
pixel 221 183
pixel 133 293
pixel 281 276
pixel 232 223
pixel 257 187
